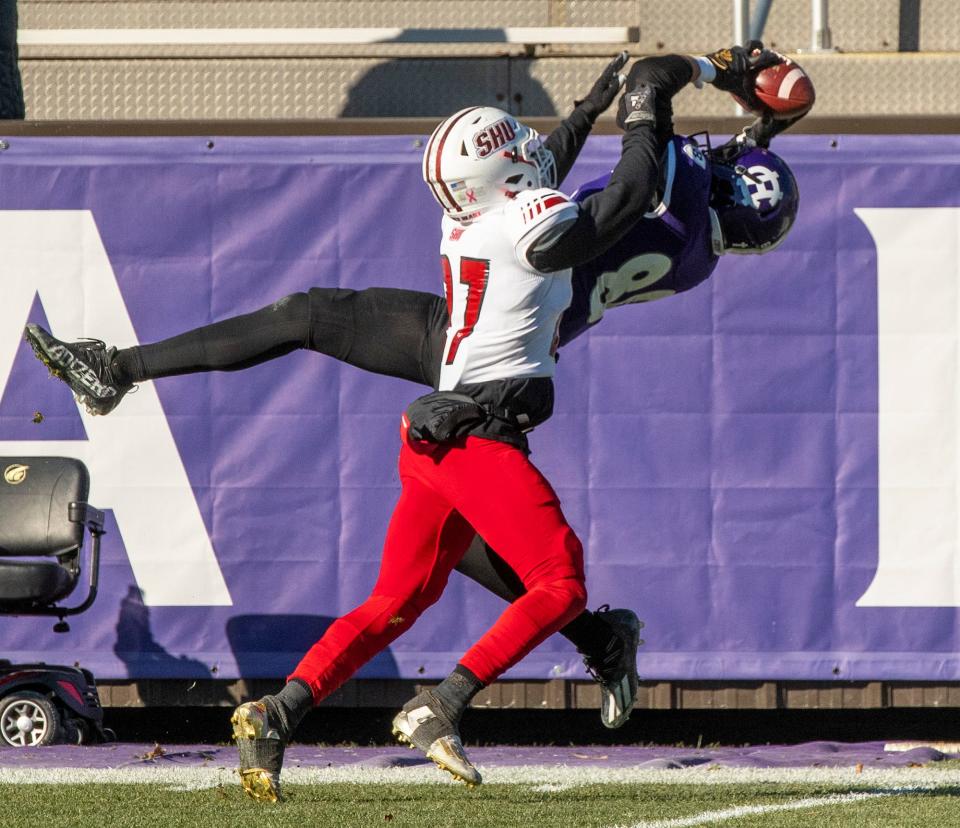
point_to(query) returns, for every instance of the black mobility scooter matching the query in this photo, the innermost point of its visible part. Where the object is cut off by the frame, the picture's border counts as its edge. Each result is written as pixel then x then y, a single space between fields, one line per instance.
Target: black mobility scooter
pixel 44 523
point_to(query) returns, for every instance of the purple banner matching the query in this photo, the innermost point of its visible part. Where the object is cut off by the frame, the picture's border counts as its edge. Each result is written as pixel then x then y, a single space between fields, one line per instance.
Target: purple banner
pixel 765 468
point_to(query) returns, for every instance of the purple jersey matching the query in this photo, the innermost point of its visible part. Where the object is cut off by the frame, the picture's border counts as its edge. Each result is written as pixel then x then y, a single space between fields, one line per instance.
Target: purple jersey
pixel 668 251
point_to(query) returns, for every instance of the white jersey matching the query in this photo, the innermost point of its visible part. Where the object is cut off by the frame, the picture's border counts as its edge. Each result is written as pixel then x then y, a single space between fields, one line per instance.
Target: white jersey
pixel 504 314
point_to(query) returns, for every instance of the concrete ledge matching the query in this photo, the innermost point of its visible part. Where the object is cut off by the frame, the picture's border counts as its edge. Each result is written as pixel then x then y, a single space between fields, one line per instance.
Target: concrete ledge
pixel 877 125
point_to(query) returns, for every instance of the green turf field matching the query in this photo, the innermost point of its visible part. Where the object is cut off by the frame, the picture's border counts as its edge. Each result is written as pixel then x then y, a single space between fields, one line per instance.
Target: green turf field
pixel 665 805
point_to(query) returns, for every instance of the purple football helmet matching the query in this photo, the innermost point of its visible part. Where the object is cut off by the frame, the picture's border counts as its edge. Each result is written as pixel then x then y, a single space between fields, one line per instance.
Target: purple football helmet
pixel 754 197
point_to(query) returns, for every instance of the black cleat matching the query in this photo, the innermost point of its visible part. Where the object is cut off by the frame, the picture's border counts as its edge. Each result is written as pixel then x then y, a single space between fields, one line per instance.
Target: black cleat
pixel 84 366
pixel 616 669
pixel 423 723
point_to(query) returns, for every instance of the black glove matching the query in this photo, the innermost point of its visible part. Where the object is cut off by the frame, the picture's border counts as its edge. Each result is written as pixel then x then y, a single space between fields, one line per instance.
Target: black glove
pixel 637 107
pixel 762 130
pixel 737 65
pixel 758 134
pixel 605 89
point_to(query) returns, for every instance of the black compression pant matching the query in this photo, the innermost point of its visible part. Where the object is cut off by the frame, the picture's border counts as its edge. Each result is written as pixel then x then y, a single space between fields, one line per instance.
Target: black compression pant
pixel 397 333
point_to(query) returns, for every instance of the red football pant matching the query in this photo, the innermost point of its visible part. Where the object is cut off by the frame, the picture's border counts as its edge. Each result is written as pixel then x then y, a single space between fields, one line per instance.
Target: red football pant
pixel 448 494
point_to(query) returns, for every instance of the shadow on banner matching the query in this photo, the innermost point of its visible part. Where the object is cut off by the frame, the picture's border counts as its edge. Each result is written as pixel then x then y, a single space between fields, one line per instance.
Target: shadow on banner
pixel 142 654
pixel 263 646
pixel 271 646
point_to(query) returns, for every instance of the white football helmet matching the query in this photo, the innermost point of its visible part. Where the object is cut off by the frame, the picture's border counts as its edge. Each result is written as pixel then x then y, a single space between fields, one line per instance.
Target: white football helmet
pixel 481 157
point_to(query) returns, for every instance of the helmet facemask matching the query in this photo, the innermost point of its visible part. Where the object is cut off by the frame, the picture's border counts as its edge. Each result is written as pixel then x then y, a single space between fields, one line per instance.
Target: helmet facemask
pixel 532 151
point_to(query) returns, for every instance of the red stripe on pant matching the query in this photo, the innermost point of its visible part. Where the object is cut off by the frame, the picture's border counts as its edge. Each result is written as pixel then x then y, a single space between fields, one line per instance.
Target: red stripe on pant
pixel 447 494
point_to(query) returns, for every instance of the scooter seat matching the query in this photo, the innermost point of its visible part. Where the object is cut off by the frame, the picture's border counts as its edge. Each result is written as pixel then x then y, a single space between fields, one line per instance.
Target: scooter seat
pixel 33 583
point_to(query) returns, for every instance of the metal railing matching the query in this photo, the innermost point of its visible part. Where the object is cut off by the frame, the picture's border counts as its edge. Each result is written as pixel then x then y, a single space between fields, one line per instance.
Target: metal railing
pixel 325 36
pixel 747 28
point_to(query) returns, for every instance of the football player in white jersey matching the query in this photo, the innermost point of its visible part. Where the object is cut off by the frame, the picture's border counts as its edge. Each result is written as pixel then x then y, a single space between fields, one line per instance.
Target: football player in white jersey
pixel 464 464
pixel 508 245
pixel 509 242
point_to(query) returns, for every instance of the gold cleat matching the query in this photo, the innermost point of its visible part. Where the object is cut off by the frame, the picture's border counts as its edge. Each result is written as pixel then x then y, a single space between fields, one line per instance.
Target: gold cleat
pixel 261 745
pixel 445 751
pixel 258 784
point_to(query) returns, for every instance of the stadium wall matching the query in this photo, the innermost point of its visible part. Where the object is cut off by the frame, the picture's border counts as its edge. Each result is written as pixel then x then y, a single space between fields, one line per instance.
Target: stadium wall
pixel 309 59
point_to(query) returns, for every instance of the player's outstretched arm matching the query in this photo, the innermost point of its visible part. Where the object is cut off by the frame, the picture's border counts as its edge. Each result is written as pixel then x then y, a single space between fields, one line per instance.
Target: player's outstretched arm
pixel 605 216
pixel 566 141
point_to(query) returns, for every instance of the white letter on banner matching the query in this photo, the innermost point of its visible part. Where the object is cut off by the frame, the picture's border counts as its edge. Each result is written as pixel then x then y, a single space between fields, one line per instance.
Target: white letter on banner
pixel 918 271
pixel 135 468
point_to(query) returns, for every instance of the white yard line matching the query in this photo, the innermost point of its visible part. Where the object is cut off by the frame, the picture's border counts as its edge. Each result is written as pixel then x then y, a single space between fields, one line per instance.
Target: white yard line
pixel 559 777
pixel 713 817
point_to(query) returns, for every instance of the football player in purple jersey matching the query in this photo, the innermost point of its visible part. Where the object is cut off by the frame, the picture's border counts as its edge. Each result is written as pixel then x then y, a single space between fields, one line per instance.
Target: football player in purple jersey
pixel 738 198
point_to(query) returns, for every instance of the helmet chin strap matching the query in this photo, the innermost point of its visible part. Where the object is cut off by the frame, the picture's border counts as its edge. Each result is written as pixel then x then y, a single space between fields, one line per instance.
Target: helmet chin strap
pixel 741 170
pixel 716 234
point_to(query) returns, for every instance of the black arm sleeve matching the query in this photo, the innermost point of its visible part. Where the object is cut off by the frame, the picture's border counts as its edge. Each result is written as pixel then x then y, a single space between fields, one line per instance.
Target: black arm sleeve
pixel 668 74
pixel 566 141
pixel 605 216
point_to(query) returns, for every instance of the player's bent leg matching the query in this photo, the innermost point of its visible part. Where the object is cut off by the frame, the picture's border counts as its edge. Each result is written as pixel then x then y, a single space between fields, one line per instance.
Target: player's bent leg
pixel 424 538
pixel 353 640
pixel 86 366
pixel 430 721
pixel 495 487
pixel 607 639
pixel 525 624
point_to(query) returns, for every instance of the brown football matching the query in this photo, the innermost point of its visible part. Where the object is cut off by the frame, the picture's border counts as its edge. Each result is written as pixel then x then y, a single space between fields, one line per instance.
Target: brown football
pixel 783 90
